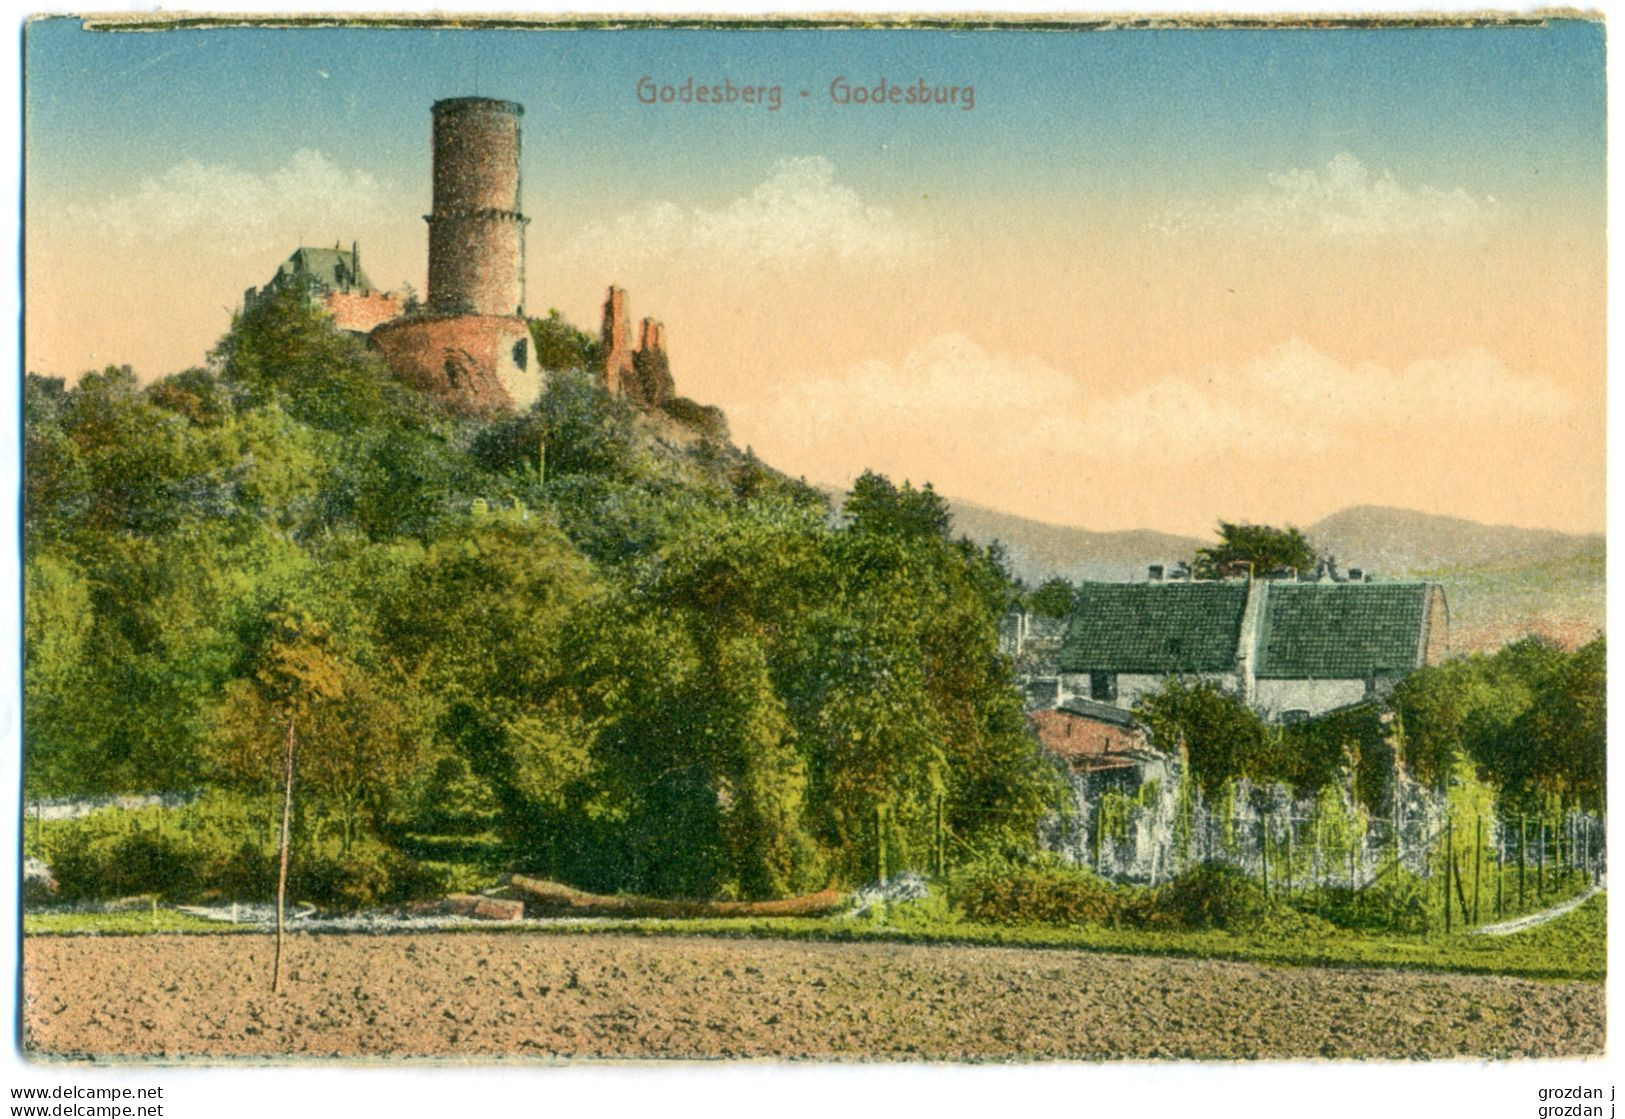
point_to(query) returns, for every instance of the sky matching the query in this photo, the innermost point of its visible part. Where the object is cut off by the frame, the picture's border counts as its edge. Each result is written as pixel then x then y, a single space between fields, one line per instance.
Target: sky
pixel 1147 279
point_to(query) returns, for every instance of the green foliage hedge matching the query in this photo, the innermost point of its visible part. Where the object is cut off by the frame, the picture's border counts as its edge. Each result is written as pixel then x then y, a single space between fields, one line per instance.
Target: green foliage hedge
pixel 1207 896
pixel 1048 893
pixel 222 848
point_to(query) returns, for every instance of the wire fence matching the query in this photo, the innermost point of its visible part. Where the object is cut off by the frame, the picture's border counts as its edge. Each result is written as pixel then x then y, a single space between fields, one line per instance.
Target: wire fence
pixel 1472 866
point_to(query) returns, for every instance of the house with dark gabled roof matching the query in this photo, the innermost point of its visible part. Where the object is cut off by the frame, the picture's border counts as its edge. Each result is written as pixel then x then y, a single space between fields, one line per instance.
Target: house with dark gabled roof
pixel 1292 650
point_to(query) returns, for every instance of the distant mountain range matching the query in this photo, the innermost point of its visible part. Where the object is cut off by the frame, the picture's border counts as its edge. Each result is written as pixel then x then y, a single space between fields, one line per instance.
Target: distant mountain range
pixel 1039 551
pixel 1379 540
pixel 1501 582
pixel 1403 540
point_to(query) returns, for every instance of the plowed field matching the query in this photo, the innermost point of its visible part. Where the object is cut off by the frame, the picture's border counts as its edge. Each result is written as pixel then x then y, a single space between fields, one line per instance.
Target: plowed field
pixel 606 996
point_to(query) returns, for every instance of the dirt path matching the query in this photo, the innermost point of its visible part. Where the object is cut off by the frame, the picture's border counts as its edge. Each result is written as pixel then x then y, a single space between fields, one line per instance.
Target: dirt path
pixel 1533 919
pixel 482 995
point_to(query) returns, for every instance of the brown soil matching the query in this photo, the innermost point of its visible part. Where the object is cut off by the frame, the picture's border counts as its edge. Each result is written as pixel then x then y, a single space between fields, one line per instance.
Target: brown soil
pixel 474 995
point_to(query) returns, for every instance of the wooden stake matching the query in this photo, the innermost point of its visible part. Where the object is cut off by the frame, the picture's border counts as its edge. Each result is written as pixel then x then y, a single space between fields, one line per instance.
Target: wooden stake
pixel 1289 858
pixel 1461 896
pixel 1500 878
pixel 282 870
pixel 1523 853
pixel 1264 852
pixel 1478 859
pixel 942 835
pixel 1449 865
pixel 880 843
pixel 1540 863
pixel 1315 857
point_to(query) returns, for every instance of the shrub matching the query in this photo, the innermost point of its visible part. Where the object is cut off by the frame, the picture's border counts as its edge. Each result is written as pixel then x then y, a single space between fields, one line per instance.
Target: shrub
pixel 108 863
pixel 1393 905
pixel 1214 896
pixel 221 846
pixel 706 419
pixel 365 875
pixel 1044 893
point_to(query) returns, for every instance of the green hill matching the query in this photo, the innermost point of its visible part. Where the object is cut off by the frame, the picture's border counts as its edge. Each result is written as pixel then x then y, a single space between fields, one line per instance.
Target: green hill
pixel 645 660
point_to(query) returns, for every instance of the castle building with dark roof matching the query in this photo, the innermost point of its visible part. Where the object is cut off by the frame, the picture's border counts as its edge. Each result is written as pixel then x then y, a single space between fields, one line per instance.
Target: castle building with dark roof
pixel 334 278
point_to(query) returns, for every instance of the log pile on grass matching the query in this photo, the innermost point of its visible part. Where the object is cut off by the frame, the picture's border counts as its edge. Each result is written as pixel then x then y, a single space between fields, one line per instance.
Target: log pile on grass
pixel 554 899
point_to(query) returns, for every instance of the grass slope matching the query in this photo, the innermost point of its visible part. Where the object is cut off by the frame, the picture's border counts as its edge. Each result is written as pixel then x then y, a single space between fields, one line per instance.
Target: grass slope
pixel 1572 947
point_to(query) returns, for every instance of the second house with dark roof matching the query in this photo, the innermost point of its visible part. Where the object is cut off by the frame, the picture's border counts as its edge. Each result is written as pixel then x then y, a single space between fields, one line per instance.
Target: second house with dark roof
pixel 1292 650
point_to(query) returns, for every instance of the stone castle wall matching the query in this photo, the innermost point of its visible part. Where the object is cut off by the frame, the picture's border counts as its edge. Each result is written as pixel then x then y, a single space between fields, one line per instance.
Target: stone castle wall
pixel 353 311
pixel 472 364
pixel 615 338
pixel 643 374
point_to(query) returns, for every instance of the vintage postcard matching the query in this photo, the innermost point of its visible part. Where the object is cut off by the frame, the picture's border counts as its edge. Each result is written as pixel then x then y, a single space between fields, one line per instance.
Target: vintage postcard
pixel 933 540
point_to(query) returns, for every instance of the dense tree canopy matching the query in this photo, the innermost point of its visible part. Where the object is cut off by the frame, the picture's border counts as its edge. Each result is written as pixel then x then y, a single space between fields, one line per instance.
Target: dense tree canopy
pixel 1260 547
pixel 1529 718
pixel 1052 598
pixel 651 667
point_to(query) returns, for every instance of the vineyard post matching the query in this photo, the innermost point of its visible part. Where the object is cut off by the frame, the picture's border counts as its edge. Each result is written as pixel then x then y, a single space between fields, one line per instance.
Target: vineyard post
pixel 880 843
pixel 1602 848
pixel 1540 863
pixel 1264 853
pixel 1523 852
pixel 282 858
pixel 1558 830
pixel 1500 871
pixel 1449 864
pixel 1566 839
pixel 1574 839
pixel 1478 860
pixel 1289 857
pixel 1399 851
pixel 1315 858
pixel 940 851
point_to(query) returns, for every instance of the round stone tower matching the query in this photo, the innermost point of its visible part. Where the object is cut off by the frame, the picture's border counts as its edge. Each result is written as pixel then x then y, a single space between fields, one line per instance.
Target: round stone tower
pixel 476 232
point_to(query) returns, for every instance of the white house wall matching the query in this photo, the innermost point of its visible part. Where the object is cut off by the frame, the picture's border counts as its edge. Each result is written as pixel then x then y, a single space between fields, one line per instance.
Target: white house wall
pixel 1131 686
pixel 1313 696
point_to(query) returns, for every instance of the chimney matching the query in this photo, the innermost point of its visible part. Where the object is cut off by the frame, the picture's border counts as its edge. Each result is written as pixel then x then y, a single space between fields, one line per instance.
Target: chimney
pixel 1247 648
pixel 1156 573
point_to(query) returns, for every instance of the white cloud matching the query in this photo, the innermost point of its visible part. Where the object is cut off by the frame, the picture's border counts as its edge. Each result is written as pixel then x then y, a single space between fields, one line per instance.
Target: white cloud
pixel 1292 400
pixel 1344 199
pixel 221 209
pixel 798 216
pixel 1296 399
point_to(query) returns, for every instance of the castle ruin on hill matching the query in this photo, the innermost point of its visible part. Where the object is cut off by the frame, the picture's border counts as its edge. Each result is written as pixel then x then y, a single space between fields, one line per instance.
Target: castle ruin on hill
pixel 643 374
pixel 469 345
